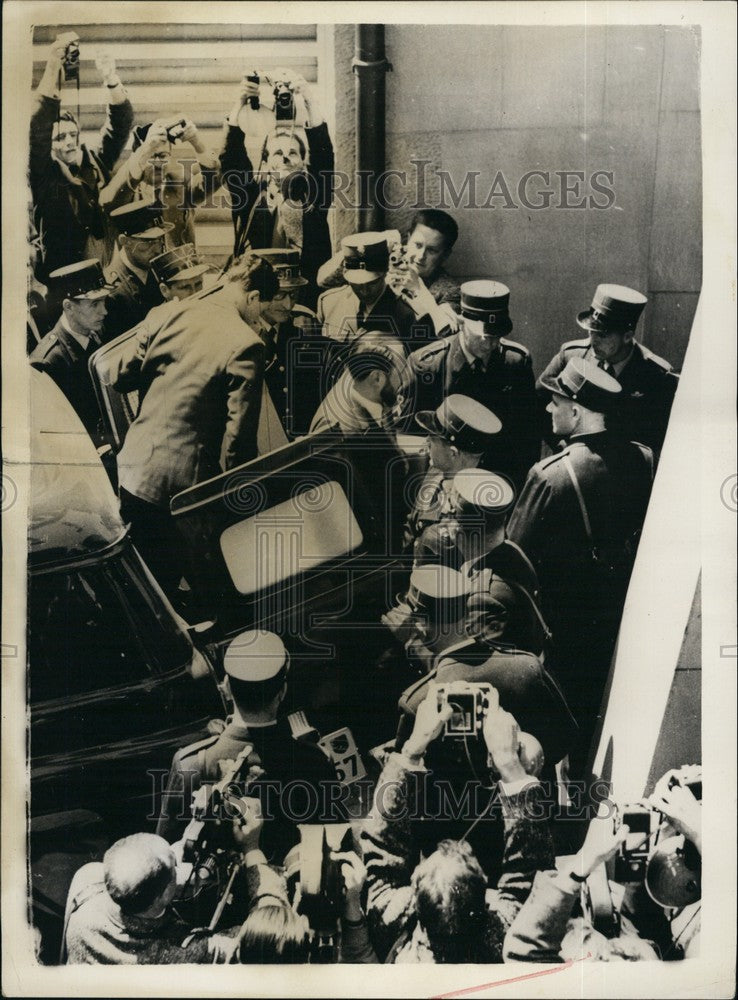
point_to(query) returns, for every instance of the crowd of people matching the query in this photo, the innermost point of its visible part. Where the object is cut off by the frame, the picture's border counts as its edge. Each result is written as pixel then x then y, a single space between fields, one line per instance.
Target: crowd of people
pixel 519 543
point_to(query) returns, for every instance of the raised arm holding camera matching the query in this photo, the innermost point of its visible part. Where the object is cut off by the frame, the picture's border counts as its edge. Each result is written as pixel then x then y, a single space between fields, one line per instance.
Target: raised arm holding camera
pixel 66 175
pixel 151 173
pixel 285 202
pixel 441 909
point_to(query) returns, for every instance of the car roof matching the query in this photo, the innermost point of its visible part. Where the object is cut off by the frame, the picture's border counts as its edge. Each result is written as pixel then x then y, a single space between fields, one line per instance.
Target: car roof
pixel 73 511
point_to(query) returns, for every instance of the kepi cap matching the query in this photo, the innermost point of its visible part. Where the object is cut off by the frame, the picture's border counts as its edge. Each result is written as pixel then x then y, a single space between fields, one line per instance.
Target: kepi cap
pixel 482 492
pixel 82 280
pixel 255 656
pixel 461 421
pixel 365 257
pixel 614 308
pixel 178 264
pixel 141 219
pixel 488 301
pixel 440 591
pixel 587 384
pixel 286 265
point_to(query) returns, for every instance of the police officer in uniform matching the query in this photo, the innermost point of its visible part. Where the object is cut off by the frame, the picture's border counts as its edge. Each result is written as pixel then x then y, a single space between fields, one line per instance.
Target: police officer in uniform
pixel 65 350
pixel 480 362
pixel 578 519
pixel 503 580
pixel 648 381
pixel 366 301
pixel 178 272
pixel 141 233
pixel 286 327
pixel 256 664
pixel 459 431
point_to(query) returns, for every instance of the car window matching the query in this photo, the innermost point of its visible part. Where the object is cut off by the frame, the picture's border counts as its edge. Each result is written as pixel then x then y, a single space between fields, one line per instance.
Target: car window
pixel 97 627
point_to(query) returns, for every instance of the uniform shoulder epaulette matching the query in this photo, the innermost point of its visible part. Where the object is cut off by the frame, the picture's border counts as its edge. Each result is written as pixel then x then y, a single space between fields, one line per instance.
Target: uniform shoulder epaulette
pixel 303 318
pixel 546 463
pixel 333 292
pixel 572 345
pixel 304 311
pixel 194 748
pixel 433 350
pixel 513 347
pixel 654 359
pixel 47 343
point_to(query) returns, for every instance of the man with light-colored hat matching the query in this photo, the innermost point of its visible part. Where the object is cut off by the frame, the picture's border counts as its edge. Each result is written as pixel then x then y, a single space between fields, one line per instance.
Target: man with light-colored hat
pixel 473 541
pixel 80 290
pixel 256 665
pixel 459 432
pixel 366 302
pixel 141 234
pixel 481 362
pixel 648 381
pixel 578 519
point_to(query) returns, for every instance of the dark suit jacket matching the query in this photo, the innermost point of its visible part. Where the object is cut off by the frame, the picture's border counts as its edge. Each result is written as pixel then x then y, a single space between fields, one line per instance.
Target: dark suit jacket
pixel 649 384
pixel 61 356
pixel 201 373
pixel 507 388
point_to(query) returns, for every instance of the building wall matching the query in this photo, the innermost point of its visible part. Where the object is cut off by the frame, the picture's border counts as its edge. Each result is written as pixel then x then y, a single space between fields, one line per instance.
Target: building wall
pixel 509 99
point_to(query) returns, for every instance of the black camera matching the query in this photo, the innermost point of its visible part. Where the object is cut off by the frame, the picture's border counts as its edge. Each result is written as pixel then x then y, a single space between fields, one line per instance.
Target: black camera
pixel 632 857
pixel 284 102
pixel 71 61
pixel 254 102
pixel 176 129
pixel 469 702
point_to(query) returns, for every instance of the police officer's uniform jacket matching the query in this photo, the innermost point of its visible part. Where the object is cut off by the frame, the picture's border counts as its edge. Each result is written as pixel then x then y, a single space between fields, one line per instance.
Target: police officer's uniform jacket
pixel 294 392
pixel 62 357
pixel 284 760
pixel 503 576
pixel 432 505
pixel 583 583
pixel 506 387
pixel 648 382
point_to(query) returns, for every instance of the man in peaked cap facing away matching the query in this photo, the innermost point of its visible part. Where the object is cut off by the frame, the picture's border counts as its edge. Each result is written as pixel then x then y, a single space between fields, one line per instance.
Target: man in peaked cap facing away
pixel 299 783
pixel 141 233
pixel 578 519
pixel 648 381
pixel 459 432
pixel 63 353
pixel 473 541
pixel 366 302
pixel 480 362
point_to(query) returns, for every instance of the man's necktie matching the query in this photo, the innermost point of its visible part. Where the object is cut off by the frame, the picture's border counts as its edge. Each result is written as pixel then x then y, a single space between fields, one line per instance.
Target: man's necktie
pixel 360 317
pixel 607 368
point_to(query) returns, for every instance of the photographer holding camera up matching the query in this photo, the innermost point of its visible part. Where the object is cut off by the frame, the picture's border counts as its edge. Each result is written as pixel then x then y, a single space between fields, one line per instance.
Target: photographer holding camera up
pixel 285 202
pixel 152 174
pixel 67 176
pixel 441 909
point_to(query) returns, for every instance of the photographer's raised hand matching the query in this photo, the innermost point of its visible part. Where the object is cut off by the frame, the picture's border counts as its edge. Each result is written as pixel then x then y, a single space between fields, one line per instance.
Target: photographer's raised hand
pixel 313 113
pixel 502 736
pixel 429 721
pixel 247 824
pixel 683 811
pixel 50 82
pixel 353 871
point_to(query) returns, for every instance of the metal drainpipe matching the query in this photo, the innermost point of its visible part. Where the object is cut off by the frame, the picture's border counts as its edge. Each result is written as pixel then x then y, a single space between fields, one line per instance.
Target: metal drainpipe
pixel 370 65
